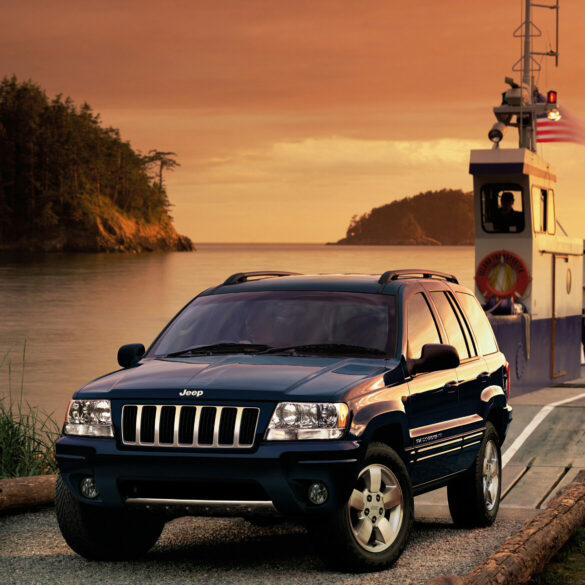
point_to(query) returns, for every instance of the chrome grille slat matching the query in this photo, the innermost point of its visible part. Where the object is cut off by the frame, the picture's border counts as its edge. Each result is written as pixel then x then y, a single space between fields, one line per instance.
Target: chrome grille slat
pixel 196 426
pixel 138 424
pixel 171 426
pixel 176 425
pixel 237 425
pixel 157 424
pixel 216 422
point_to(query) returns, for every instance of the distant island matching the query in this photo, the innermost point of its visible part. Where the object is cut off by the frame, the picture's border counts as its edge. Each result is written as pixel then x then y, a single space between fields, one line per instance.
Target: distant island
pixel 69 184
pixel 436 218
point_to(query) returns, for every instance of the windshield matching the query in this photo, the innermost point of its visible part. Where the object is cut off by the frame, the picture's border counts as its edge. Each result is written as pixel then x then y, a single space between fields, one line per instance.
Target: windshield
pixel 282 319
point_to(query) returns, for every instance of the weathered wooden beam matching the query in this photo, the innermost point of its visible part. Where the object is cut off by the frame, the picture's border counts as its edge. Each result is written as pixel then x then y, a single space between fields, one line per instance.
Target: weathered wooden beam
pixel 527 552
pixel 26 492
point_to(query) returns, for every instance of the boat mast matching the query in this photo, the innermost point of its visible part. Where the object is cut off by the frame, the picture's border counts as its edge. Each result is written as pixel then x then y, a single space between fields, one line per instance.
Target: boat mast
pixel 527 124
pixel 522 104
pixel 527 79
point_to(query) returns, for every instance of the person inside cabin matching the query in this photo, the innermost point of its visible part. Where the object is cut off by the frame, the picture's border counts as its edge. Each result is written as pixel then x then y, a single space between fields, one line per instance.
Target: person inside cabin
pixel 507 219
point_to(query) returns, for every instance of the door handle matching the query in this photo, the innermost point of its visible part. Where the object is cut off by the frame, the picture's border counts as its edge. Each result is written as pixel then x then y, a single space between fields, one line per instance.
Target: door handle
pixel 451 387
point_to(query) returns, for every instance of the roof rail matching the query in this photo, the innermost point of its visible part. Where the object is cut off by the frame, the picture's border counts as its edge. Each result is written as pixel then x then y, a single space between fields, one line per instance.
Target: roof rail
pixel 414 273
pixel 239 277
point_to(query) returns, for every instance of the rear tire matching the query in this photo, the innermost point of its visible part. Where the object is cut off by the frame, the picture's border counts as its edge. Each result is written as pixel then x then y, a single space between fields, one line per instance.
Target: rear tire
pixel 370 531
pixel 474 498
pixel 103 534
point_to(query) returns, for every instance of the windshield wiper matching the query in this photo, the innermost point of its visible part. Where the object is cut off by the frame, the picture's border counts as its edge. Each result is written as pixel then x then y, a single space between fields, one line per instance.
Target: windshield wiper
pixel 222 348
pixel 329 348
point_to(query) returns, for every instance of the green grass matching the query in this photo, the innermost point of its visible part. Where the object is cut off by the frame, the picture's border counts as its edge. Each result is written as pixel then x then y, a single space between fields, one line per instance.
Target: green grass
pixel 27 436
pixel 568 566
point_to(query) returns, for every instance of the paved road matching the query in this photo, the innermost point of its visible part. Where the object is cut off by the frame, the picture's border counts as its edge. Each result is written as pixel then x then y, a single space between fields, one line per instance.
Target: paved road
pixel 232 552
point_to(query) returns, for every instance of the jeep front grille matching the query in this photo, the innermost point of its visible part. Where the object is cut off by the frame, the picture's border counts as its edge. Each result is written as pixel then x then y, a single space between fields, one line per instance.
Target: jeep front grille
pixel 189 426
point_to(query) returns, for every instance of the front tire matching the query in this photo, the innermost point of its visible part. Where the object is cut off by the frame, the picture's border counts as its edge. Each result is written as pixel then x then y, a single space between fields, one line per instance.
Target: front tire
pixel 474 498
pixel 370 531
pixel 101 534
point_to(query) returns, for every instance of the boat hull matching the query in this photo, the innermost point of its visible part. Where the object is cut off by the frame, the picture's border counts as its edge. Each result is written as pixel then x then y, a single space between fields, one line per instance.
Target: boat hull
pixel 540 353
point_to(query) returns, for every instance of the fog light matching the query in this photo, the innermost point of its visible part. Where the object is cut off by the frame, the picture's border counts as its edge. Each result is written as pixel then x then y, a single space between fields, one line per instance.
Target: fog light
pixel 318 493
pixel 88 488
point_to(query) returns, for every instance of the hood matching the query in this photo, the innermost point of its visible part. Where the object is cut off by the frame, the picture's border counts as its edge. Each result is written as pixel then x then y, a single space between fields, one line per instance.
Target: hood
pixel 237 377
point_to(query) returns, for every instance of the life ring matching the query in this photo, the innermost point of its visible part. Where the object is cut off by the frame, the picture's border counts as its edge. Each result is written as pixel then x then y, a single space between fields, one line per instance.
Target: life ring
pixel 516 275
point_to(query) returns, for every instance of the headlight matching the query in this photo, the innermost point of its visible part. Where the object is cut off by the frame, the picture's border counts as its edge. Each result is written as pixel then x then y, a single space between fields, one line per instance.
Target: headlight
pixel 89 418
pixel 307 420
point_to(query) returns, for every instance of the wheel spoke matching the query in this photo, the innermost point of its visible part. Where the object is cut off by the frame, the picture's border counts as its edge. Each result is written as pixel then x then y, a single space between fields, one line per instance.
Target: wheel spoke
pixel 356 500
pixel 489 495
pixel 374 479
pixel 363 530
pixel 392 497
pixel 385 532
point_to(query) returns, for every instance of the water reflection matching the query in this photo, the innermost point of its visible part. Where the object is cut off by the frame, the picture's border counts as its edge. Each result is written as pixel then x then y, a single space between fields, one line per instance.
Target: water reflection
pixel 75 310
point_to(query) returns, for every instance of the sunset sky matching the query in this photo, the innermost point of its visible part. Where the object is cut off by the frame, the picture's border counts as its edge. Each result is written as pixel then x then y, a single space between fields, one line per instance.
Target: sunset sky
pixel 290 116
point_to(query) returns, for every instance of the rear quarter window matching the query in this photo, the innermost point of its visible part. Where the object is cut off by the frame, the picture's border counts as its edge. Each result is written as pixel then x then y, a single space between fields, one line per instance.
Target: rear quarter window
pixel 479 323
pixel 451 323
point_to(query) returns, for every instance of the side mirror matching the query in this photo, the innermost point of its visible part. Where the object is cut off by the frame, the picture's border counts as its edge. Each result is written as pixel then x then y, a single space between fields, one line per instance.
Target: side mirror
pixel 129 355
pixel 434 357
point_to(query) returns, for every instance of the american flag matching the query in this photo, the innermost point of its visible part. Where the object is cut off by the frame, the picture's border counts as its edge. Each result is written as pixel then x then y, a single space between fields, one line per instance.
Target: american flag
pixel 569 128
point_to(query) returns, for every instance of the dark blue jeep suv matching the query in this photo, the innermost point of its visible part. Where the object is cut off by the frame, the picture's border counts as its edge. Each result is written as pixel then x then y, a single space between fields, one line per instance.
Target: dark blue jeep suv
pixel 333 399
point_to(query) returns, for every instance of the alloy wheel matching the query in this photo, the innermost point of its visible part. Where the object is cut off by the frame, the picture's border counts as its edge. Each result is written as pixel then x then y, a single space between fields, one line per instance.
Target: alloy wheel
pixel 375 508
pixel 490 475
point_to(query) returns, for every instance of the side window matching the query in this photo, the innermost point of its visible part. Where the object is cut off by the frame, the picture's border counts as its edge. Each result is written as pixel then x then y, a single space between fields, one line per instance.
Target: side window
pixel 421 326
pixel 502 210
pixel 551 223
pixel 539 211
pixel 479 322
pixel 543 210
pixel 455 334
pixel 464 322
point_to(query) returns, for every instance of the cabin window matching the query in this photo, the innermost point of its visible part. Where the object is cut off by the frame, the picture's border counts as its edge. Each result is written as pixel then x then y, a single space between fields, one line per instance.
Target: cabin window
pixel 502 210
pixel 551 223
pixel 543 210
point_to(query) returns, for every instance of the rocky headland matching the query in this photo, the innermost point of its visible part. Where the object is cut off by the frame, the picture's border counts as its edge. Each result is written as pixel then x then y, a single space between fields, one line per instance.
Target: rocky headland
pixel 69 184
pixel 432 218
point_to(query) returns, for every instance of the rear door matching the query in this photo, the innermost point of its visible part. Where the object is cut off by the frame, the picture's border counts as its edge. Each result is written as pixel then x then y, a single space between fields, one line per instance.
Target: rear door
pixel 432 405
pixel 472 375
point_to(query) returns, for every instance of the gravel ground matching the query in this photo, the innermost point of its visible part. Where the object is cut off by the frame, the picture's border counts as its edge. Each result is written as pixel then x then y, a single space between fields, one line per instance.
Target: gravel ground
pixel 231 551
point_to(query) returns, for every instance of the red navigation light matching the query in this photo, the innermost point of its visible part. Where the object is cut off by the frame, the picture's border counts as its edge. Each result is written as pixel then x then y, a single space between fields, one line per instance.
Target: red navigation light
pixel 551 97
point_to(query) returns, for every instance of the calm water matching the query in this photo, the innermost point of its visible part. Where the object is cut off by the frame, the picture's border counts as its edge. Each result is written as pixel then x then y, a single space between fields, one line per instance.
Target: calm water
pixel 74 310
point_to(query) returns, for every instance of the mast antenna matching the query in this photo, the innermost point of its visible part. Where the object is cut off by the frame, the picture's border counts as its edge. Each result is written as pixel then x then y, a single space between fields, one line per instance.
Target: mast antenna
pixel 523 101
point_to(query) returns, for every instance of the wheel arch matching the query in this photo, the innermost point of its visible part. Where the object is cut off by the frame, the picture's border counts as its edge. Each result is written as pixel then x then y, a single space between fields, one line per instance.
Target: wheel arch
pixel 391 429
pixel 498 417
pixel 495 409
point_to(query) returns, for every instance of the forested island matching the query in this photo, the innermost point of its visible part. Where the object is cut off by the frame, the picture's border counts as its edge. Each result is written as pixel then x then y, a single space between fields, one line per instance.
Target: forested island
pixel 69 184
pixel 437 218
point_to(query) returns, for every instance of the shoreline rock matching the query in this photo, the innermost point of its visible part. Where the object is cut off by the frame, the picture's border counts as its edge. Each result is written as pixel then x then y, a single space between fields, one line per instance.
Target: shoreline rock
pixel 103 228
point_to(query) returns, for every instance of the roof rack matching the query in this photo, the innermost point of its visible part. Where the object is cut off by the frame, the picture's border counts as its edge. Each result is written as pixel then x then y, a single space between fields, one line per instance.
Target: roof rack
pixel 239 277
pixel 397 274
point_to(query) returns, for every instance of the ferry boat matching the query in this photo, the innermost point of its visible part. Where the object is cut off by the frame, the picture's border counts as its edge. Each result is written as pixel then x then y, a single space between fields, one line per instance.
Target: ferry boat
pixel 528 272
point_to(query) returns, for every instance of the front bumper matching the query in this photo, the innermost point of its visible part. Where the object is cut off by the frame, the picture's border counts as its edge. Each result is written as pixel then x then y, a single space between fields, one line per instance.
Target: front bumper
pixel 273 478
